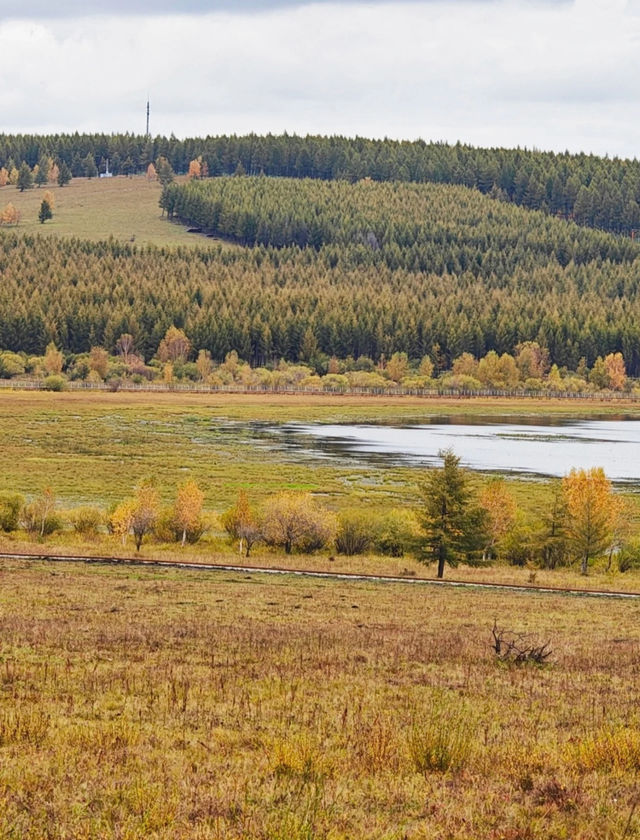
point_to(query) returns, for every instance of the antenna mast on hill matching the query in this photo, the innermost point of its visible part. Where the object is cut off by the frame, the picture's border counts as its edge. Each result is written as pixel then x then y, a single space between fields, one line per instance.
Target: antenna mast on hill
pixel 147 134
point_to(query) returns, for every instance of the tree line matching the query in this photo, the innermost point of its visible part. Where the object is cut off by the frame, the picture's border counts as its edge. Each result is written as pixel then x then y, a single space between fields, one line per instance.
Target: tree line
pixel 426 270
pixel 455 519
pixel 177 362
pixel 594 191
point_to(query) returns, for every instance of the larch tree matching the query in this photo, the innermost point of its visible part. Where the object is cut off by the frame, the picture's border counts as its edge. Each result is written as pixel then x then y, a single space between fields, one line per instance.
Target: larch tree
pixel 591 509
pixel 10 215
pixel 187 510
pixel 25 177
pixel 453 525
pixel 195 169
pixel 45 213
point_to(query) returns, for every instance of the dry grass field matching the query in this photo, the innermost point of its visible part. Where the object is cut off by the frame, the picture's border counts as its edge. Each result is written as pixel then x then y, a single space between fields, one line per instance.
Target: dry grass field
pixel 156 704
pixel 97 208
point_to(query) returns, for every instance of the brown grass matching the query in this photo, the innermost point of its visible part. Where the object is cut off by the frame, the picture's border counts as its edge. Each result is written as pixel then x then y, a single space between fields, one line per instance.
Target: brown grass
pixel 149 703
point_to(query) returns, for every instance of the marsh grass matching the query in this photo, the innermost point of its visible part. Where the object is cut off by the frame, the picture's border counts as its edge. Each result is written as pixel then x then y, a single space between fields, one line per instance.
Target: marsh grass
pixel 442 736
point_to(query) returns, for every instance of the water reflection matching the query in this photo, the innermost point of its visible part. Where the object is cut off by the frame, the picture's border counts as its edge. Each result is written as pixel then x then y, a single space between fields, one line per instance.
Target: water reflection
pixel 548 446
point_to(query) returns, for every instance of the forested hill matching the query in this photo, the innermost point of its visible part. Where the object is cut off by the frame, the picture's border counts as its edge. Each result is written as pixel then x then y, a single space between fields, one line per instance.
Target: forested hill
pixel 421 269
pixel 593 191
pixel 418 227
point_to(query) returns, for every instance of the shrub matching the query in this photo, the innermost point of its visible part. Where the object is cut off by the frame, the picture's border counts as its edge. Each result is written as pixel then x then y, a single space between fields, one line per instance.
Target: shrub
pixel 11 365
pixel 54 382
pixel 11 505
pixel 87 520
pixel 354 535
pixel 295 521
pixel 628 558
pixel 396 533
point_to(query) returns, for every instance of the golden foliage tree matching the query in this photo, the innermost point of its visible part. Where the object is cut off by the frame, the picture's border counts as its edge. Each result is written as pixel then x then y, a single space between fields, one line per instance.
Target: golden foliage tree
pixel 195 169
pixel 501 510
pixel 187 510
pixel 4 177
pixel 53 359
pixel 99 361
pixel 121 520
pixel 146 507
pixel 616 373
pixel 242 524
pixel 10 215
pixel 152 175
pixel 174 347
pixel 204 364
pixel 296 521
pixel 591 509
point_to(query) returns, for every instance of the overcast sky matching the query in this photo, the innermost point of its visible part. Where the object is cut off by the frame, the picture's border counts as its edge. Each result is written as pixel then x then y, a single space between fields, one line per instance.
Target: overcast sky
pixel 551 74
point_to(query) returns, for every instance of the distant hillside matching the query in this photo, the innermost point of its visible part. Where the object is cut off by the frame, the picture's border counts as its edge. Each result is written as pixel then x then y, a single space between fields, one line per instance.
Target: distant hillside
pixel 424 269
pixel 598 192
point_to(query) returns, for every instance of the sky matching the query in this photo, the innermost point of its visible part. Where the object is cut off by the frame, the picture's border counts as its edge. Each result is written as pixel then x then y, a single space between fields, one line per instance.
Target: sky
pixel 546 74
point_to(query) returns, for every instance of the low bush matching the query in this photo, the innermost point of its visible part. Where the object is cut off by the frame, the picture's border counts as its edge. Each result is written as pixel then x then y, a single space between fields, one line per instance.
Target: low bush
pixel 54 382
pixel 87 520
pixel 11 505
pixel 355 534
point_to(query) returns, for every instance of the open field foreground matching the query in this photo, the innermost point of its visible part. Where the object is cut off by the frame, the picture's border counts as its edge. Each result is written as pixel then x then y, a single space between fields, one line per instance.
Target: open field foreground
pixel 142 703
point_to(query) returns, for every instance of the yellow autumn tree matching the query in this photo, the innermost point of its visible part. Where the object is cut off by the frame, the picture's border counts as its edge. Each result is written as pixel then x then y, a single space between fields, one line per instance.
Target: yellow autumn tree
pixel 53 359
pixel 195 169
pixel 10 215
pixel 54 172
pixel 146 507
pixel 242 524
pixel 121 520
pixel 49 196
pixel 591 511
pixel 501 511
pixel 152 175
pixel 204 364
pixel 99 361
pixel 4 177
pixel 296 521
pixel 616 372
pixel 187 510
pixel 174 347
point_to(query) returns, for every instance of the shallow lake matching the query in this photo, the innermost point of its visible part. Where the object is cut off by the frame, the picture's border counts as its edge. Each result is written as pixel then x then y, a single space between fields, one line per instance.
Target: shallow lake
pixel 549 447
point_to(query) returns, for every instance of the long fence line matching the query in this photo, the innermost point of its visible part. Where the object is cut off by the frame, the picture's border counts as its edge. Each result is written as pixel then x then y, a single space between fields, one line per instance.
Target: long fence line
pixel 433 393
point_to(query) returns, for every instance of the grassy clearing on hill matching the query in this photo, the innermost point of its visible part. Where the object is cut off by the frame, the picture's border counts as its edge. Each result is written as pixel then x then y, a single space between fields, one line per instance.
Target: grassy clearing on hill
pixel 151 703
pixel 98 208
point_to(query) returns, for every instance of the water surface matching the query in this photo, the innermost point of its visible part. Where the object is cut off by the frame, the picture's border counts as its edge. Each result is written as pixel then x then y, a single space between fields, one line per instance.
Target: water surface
pixel 540 446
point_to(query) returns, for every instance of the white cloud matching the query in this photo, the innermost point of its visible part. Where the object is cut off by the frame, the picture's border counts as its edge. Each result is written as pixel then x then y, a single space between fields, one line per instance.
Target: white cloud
pixel 509 72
